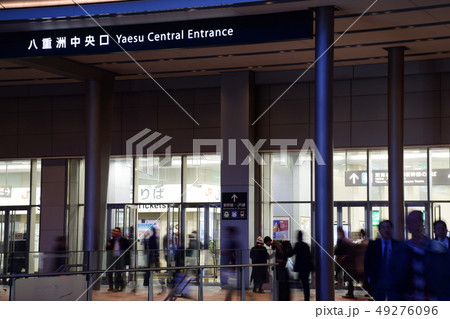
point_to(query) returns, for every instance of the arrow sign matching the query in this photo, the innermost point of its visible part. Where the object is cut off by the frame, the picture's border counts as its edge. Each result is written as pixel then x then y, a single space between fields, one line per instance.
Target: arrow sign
pixel 234 206
pixel 353 177
pixel 5 191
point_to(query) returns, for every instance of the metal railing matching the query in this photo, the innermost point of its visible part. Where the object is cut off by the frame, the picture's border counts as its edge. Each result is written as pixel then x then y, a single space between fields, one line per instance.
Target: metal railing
pixel 93 276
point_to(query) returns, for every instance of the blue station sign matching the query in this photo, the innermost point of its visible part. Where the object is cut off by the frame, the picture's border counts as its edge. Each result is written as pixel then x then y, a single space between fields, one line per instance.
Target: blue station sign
pixel 261 28
pixel 234 206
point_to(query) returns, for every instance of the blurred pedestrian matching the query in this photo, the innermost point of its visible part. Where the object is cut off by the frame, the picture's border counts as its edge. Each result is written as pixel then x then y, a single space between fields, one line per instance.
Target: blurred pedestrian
pixel 229 256
pixel 119 257
pixel 60 254
pixel 303 263
pixel 440 231
pixel 259 255
pixel 344 252
pixel 377 258
pixel 282 275
pixel 419 267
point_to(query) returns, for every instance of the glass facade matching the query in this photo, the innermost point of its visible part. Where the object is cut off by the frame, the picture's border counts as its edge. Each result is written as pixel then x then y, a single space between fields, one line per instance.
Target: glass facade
pixel 416 172
pixel 20 198
pixel 360 184
pixel 202 179
pixel 178 197
pixel 120 180
pixel 350 175
pixel 287 195
pixel 439 161
pixel 15 177
pixel 378 168
pixel 158 180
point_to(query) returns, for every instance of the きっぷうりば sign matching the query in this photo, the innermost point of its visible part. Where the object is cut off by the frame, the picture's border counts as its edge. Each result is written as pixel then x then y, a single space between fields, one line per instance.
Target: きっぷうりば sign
pixel 261 28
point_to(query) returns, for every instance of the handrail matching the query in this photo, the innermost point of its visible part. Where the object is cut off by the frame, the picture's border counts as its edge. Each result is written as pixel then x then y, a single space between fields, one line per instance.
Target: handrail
pixel 150 270
pixel 143 269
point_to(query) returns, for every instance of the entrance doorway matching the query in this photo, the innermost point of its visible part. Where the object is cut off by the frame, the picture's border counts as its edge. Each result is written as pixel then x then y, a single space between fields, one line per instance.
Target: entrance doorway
pixel 352 217
pixel 425 209
pixel 440 211
pixel 14 240
pixel 125 217
pixel 378 212
pixel 180 226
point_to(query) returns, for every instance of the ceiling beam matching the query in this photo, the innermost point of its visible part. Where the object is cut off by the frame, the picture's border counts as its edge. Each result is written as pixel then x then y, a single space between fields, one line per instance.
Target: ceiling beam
pixel 64 67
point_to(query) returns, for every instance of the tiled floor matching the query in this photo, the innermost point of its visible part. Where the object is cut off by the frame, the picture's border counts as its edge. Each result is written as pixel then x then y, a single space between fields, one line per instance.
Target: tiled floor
pixel 210 293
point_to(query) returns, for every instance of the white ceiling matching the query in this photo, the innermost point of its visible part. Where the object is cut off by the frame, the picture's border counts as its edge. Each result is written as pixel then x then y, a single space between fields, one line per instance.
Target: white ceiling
pixel 423 26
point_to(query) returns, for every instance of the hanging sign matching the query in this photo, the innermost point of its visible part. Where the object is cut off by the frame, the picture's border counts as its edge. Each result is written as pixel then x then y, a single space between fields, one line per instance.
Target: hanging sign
pixel 281 26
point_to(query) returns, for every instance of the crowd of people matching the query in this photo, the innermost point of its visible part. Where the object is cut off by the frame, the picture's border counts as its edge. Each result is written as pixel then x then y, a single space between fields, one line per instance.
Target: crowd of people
pixel 385 268
pixel 389 269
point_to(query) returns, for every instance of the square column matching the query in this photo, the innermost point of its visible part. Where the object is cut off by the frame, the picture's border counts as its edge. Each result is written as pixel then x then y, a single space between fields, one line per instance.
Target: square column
pixel 237 173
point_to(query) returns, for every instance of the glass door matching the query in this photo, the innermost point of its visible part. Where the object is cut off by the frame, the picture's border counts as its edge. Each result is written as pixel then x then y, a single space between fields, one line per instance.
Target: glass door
pixel 125 217
pixel 425 209
pixel 201 231
pixel 3 251
pixel 352 218
pixel 173 240
pixel 14 240
pixel 441 211
pixel 194 232
pixel 378 213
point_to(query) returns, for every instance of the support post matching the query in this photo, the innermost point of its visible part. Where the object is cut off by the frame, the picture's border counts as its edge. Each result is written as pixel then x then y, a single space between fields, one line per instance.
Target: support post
pixel 395 139
pixel 99 122
pixel 324 142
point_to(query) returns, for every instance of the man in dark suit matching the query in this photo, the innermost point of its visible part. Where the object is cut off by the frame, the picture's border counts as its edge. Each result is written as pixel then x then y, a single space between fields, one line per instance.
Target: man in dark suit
pixel 119 257
pixel 376 260
pixel 303 263
pixel 440 230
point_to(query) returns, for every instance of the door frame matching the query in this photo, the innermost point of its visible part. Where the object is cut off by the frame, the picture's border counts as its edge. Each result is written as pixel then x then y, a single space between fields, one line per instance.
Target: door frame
pixel 7 243
pixel 410 205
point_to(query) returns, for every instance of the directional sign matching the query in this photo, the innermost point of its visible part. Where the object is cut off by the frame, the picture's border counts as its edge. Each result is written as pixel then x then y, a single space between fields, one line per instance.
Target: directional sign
pixel 355 178
pixel 234 206
pixel 441 177
pixel 5 191
pixel 411 177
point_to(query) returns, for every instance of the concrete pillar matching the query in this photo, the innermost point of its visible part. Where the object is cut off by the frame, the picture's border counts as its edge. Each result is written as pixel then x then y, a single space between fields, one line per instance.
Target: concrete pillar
pixel 324 142
pixel 237 114
pixel 99 121
pixel 53 205
pixel 395 139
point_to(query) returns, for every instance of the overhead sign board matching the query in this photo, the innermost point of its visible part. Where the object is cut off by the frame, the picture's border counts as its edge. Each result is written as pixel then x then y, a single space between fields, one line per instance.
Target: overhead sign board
pixel 355 178
pixel 234 206
pixel 411 177
pixel 261 28
pixel 441 176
